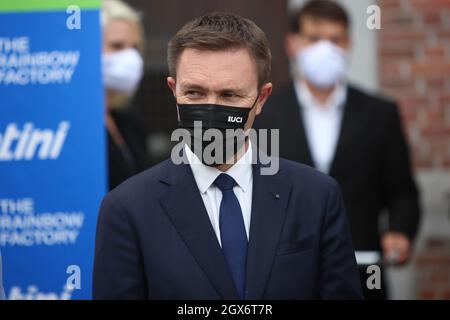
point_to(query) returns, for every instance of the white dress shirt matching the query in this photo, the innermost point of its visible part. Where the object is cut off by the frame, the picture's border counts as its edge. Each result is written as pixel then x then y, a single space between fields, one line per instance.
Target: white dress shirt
pixel 241 172
pixel 322 123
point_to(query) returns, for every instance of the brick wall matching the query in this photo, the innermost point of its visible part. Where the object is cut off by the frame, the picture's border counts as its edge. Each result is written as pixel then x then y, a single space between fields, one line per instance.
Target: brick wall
pixel 414 61
pixel 432 270
pixel 414 52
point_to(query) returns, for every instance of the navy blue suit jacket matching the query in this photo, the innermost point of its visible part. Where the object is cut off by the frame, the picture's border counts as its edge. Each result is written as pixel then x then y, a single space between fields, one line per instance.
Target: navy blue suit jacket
pixel 155 240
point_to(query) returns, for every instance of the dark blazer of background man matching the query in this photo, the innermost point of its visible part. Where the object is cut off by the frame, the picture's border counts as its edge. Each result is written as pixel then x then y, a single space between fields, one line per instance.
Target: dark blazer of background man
pixel 370 160
pixel 154 237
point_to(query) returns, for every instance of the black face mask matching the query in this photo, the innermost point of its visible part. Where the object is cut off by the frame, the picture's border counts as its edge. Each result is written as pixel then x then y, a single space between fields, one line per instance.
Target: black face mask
pixel 226 137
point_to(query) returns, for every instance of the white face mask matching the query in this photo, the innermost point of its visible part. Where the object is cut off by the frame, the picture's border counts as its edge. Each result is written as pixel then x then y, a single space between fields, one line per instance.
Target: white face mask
pixel 122 70
pixel 323 64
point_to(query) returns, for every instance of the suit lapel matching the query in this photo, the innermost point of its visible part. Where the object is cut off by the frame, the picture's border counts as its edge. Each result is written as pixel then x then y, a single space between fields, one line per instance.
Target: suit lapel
pixel 294 118
pixel 348 131
pixel 269 202
pixel 184 206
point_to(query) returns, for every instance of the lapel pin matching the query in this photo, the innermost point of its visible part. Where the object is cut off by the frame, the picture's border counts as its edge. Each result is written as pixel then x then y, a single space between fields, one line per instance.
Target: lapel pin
pixel 276 195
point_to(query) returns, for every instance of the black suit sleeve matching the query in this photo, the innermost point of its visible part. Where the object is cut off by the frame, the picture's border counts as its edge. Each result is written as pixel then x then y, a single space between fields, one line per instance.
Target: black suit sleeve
pixel 400 189
pixel 339 277
pixel 118 271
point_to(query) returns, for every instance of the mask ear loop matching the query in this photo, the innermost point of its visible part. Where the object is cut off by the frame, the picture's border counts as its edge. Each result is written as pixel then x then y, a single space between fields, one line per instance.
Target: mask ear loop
pixel 254 103
pixel 177 107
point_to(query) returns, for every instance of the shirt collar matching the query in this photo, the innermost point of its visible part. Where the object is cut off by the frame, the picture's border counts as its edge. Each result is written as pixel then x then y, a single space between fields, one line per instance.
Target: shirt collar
pixel 205 176
pixel 336 101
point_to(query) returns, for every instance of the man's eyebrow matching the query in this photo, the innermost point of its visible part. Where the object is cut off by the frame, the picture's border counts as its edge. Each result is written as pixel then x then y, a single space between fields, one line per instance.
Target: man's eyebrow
pixel 238 91
pixel 192 86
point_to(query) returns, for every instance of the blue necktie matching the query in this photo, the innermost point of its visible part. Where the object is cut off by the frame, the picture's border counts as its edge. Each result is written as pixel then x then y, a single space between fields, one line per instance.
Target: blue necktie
pixel 232 232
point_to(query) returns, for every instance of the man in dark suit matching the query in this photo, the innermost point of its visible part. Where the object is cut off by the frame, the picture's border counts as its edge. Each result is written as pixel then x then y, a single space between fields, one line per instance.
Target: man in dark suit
pixel 218 229
pixel 352 136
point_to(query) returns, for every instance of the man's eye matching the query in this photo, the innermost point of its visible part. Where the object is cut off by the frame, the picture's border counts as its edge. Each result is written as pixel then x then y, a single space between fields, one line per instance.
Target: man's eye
pixel 313 38
pixel 192 93
pixel 229 95
pixel 117 46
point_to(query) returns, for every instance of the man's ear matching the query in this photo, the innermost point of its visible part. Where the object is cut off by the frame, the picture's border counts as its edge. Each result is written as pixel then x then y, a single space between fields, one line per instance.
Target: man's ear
pixel 291 44
pixel 348 43
pixel 172 84
pixel 264 93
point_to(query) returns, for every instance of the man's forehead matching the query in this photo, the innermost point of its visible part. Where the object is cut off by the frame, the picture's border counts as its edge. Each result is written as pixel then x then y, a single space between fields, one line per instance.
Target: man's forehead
pixel 225 68
pixel 312 24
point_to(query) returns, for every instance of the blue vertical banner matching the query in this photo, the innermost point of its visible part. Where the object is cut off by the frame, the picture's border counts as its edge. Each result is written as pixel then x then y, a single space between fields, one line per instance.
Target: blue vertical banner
pixel 52 146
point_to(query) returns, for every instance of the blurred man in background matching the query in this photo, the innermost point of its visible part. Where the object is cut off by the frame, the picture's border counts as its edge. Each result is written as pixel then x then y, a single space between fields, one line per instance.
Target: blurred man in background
pixel 123 46
pixel 354 137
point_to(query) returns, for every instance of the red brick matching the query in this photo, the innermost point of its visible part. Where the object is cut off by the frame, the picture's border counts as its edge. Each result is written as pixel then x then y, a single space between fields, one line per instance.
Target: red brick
pixel 435 54
pixel 440 277
pixel 397 49
pixel 436 129
pixel 414 101
pixel 402 34
pixel 430 68
pixel 408 113
pixel 390 67
pixel 435 115
pixel 432 17
pixel 442 33
pixel 397 93
pixel 422 163
pixel 427 295
pixel 427 4
pixel 446 295
pixel 437 82
pixel 395 17
pixel 396 84
pixel 444 100
pixel 389 5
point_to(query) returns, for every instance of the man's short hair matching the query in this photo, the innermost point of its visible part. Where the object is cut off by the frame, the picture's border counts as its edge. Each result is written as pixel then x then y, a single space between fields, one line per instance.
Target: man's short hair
pixel 222 31
pixel 319 10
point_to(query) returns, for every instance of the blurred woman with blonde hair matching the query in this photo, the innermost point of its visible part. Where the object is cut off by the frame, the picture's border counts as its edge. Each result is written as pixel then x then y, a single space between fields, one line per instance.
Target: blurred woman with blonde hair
pixel 123 46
